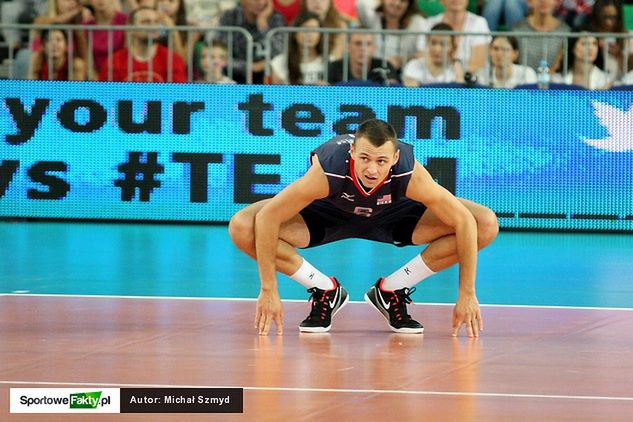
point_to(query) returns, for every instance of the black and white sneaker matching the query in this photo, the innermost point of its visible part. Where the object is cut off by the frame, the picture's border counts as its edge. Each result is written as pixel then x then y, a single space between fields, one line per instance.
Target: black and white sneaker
pixel 393 306
pixel 325 304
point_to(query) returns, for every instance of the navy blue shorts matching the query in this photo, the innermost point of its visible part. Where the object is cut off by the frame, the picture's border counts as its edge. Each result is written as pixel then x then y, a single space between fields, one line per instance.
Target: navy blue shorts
pixel 394 224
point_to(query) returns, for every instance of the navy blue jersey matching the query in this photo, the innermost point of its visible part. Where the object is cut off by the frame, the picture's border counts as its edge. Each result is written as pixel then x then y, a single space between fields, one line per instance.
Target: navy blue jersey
pixel 334 156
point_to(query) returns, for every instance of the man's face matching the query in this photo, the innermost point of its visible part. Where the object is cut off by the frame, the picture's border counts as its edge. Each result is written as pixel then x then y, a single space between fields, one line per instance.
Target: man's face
pixel 440 49
pixel 361 48
pixel 371 163
pixel 146 17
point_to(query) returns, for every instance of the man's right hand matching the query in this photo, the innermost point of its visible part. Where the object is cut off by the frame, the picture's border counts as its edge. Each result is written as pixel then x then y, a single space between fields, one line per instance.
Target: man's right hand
pixel 269 309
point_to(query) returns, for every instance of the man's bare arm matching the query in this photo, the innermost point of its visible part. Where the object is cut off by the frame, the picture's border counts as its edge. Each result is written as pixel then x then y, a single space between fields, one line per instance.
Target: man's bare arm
pixel 281 208
pixel 454 214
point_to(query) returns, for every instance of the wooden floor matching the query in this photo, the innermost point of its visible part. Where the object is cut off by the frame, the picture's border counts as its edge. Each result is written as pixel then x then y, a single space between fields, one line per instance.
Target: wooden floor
pixel 532 363
pixel 133 305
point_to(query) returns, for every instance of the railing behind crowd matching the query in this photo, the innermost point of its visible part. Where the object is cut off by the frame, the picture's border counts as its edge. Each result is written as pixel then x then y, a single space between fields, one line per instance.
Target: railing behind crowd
pixel 19 62
pixel 381 38
pixel 539 43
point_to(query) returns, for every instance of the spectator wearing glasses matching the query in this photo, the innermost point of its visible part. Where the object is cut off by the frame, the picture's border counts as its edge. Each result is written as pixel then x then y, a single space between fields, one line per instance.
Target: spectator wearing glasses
pixel 504 72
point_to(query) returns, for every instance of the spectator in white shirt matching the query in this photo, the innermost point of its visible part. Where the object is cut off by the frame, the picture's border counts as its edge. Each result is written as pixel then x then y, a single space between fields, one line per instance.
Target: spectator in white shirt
pixel 303 63
pixel 393 15
pixel 437 64
pixel 471 49
pixel 583 52
pixel 504 72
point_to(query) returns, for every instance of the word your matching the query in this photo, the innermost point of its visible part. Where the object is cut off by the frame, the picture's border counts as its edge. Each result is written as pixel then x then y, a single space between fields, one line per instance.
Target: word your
pixel 96 116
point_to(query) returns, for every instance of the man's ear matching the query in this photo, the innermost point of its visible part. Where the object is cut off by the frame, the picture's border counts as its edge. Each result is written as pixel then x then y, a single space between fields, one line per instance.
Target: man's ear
pixel 396 157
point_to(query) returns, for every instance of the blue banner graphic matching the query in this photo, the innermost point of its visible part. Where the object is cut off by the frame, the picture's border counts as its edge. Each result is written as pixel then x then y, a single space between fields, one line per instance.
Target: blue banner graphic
pixel 198 152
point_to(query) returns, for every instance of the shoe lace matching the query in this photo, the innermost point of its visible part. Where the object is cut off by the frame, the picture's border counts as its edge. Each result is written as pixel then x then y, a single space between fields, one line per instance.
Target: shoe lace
pixel 400 299
pixel 319 304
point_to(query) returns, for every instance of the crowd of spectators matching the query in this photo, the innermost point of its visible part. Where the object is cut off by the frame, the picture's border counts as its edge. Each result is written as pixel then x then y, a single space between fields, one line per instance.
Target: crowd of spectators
pixel 386 42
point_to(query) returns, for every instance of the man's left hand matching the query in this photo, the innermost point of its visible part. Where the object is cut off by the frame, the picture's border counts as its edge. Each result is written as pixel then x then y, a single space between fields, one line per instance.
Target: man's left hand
pixel 466 312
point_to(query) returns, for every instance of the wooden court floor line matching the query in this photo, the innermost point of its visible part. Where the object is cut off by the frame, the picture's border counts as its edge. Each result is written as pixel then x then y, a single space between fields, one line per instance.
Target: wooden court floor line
pixel 242 299
pixel 327 390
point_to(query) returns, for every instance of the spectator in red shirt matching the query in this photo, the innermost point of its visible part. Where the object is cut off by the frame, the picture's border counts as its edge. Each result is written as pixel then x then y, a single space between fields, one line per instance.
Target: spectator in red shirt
pixel 150 61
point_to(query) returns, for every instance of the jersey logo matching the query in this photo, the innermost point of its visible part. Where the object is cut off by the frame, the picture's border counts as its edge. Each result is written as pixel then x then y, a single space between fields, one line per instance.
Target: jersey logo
pixel 349 197
pixel 384 200
pixel 364 211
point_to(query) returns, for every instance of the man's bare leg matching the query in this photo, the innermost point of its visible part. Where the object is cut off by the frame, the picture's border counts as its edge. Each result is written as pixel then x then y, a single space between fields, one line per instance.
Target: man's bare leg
pixel 292 234
pixel 442 250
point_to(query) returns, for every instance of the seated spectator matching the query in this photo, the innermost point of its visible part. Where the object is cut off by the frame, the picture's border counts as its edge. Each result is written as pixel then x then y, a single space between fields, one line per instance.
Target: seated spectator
pixel 105 42
pixel 257 17
pixel 471 49
pixel 361 63
pixel 397 15
pixel 330 18
pixel 149 59
pixel 510 12
pixel 213 61
pixel 52 63
pixel 305 51
pixel 583 52
pixel 438 63
pixel 504 72
pixel 22 41
pixel 204 14
pixel 616 53
pixel 541 20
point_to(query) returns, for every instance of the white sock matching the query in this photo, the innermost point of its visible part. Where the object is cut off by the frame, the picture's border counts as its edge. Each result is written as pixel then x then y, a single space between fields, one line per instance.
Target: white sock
pixel 408 275
pixel 309 277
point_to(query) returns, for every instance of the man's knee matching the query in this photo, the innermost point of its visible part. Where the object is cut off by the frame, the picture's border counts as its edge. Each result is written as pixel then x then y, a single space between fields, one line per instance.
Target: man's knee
pixel 241 230
pixel 487 228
